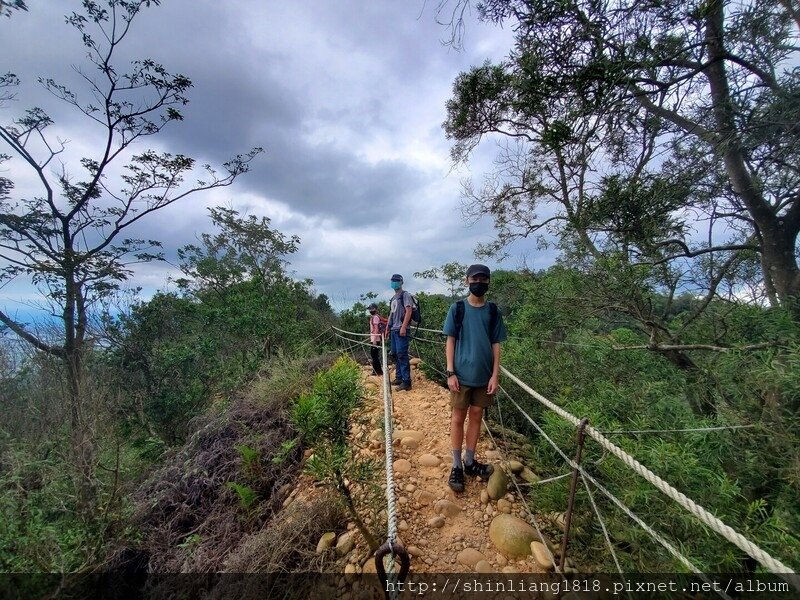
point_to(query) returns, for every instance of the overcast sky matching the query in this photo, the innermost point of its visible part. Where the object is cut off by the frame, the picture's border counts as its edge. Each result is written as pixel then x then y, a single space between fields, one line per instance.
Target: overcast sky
pixel 347 98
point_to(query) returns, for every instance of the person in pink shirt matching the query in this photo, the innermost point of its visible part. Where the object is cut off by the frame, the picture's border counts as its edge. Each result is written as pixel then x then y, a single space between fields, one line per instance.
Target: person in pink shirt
pixel 377 328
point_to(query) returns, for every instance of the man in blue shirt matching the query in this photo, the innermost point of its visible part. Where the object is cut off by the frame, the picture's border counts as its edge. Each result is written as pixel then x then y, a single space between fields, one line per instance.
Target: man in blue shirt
pixel 474 330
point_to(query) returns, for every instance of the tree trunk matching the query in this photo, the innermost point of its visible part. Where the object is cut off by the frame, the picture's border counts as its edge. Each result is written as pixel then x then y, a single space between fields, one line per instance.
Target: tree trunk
pixel 82 440
pixel 81 435
pixel 699 394
pixel 781 264
pixel 778 234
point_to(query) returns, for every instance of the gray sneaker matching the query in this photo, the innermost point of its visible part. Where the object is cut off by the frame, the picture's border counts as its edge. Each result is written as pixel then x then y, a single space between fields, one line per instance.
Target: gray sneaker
pixel 403 387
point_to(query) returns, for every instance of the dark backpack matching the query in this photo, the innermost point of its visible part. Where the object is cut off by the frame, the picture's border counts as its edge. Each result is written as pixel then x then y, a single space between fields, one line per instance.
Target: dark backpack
pixel 494 313
pixel 416 315
pixel 382 324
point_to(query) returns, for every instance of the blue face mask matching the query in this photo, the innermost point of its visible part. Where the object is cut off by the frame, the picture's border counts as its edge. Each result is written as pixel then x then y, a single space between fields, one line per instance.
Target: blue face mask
pixel 395 285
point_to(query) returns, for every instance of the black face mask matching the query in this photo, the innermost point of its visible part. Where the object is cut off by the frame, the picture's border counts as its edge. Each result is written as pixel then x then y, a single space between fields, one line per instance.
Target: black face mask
pixel 372 312
pixel 479 288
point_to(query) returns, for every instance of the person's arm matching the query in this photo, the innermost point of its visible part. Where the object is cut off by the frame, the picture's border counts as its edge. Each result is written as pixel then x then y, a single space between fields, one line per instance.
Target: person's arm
pixel 494 380
pixel 406 320
pixel 407 315
pixel 450 355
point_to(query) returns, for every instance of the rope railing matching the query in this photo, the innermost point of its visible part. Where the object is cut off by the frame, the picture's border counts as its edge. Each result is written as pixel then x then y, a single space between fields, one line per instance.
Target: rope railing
pixel 607 538
pixel 391 547
pixel 621 505
pixel 522 496
pixel 688 430
pixel 703 515
pixel 687 503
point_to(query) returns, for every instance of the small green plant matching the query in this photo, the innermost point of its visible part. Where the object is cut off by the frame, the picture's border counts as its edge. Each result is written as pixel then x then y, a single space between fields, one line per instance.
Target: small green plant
pixel 323 419
pixel 251 460
pixel 191 540
pixel 247 495
pixel 285 450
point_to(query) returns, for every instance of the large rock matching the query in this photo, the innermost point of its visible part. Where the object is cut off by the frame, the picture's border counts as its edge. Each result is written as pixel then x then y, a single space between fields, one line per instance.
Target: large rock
pixel 429 460
pixel 370 568
pixel 515 466
pixel 345 543
pixel 402 466
pixel 529 476
pixel 511 535
pixel 498 484
pixel 541 556
pixel 415 361
pixel 326 541
pixel 483 566
pixel 350 573
pixel 399 434
pixel 409 442
pixel 469 557
pixel 425 497
pixel 436 522
pixel 447 508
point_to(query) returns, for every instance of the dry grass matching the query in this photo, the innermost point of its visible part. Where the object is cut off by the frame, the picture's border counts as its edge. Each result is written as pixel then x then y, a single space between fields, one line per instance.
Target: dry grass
pixel 189 520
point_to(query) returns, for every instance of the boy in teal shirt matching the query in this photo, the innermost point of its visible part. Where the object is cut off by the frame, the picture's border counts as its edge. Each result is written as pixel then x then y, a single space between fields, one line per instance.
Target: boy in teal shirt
pixel 474 330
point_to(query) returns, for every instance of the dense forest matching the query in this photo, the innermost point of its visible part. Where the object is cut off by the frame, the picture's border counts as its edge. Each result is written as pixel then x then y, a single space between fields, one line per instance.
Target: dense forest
pixel 655 146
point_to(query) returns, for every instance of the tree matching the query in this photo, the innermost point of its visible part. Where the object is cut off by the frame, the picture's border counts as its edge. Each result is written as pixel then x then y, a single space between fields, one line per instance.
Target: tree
pixel 244 265
pixel 452 274
pixel 6 6
pixel 69 240
pixel 246 248
pixel 718 81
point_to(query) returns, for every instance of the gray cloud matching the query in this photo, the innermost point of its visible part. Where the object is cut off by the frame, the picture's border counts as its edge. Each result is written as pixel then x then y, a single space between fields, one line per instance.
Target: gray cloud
pixel 347 98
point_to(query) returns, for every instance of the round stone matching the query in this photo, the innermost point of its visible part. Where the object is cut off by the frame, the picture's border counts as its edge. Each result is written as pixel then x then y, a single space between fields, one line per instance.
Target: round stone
pixel 469 557
pixel 429 460
pixel 402 466
pixel 483 566
pixel 511 535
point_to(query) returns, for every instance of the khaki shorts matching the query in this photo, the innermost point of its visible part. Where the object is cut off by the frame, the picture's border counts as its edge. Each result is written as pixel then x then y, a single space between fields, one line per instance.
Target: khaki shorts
pixel 471 396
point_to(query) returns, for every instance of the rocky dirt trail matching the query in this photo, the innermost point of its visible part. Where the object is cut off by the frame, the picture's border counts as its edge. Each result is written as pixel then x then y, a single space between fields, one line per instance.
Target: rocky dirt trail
pixel 484 529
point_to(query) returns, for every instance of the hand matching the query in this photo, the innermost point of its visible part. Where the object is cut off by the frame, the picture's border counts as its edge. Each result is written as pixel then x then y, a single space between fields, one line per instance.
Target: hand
pixel 452 383
pixel 492 386
pixel 402 331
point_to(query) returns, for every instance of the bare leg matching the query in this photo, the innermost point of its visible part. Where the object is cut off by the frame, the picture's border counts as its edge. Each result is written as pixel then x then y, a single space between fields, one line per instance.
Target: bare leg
pixel 457 418
pixel 474 426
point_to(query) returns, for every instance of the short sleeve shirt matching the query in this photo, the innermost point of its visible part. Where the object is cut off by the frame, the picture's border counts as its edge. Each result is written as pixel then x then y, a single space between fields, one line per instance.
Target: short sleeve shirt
pixel 374 329
pixel 474 358
pixel 397 309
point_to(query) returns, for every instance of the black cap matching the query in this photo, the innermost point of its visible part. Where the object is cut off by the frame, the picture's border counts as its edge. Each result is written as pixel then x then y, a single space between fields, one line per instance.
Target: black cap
pixel 371 306
pixel 397 277
pixel 478 270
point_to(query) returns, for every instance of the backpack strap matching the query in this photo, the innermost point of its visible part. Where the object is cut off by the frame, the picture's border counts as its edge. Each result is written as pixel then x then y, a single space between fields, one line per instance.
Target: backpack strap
pixel 493 316
pixel 458 317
